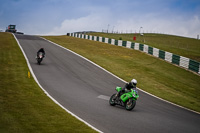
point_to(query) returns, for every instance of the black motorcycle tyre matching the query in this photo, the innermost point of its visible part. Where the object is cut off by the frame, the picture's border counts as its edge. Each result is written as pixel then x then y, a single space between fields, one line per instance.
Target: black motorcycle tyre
pixel 130 104
pixel 39 60
pixel 112 101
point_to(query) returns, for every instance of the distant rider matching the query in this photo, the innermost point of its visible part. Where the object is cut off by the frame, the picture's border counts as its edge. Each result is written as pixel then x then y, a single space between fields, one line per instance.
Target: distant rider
pixel 128 86
pixel 41 50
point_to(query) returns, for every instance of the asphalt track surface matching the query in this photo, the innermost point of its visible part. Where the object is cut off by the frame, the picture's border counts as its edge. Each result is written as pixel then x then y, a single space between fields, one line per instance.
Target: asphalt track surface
pixel 83 88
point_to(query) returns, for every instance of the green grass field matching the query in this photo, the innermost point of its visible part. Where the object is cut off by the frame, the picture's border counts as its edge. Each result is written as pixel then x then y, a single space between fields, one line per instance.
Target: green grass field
pixel 182 46
pixel 24 108
pixel 154 75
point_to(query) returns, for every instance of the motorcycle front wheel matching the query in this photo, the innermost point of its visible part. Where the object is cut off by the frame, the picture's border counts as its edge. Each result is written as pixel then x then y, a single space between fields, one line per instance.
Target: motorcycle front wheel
pixel 112 101
pixel 130 104
pixel 39 61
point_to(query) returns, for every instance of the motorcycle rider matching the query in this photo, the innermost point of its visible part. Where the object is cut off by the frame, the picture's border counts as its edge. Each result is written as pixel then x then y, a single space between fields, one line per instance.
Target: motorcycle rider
pixel 128 86
pixel 41 50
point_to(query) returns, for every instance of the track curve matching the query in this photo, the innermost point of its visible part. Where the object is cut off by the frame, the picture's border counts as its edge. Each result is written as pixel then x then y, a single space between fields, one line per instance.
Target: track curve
pixel 83 88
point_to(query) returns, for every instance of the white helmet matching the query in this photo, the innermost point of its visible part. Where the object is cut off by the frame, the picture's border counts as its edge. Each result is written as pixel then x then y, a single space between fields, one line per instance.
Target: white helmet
pixel 134 82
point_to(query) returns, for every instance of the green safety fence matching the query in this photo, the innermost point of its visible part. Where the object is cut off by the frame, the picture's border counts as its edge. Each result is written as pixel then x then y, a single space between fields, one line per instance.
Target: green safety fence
pixel 162 54
pixel 132 45
pixel 194 65
pixel 150 50
pixel 124 43
pixel 141 47
pixel 176 59
pixel 103 39
pixel 109 40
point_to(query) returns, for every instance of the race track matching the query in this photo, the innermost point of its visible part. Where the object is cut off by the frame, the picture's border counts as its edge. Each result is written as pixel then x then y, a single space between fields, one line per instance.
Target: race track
pixel 83 88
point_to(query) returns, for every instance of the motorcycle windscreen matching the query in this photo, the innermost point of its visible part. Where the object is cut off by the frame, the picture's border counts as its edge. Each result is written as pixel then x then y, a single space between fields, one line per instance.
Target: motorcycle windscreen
pixel 118 88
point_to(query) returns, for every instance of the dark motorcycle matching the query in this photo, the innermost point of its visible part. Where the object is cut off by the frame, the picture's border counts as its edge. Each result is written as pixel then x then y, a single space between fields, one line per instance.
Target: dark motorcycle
pixel 39 57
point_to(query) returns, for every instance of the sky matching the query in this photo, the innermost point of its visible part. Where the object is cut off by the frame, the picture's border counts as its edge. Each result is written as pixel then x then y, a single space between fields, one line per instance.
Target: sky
pixel 58 17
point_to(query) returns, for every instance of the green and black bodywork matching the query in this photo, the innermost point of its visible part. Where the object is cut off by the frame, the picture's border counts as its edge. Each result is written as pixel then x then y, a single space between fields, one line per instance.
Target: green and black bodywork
pixel 127 100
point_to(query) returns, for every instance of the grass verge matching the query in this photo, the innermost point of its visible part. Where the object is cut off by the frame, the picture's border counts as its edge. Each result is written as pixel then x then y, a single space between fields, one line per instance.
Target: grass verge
pixel 187 47
pixel 24 107
pixel 154 75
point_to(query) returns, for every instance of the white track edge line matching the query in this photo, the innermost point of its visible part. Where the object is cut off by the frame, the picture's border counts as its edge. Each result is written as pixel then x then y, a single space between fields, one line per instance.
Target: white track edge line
pixel 30 68
pixel 119 77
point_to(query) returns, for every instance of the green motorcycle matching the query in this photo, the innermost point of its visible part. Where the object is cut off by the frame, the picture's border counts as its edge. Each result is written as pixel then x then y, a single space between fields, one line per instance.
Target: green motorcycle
pixel 127 100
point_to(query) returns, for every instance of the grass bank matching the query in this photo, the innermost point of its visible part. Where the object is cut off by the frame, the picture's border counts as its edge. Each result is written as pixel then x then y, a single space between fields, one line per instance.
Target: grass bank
pixel 154 75
pixel 182 46
pixel 24 107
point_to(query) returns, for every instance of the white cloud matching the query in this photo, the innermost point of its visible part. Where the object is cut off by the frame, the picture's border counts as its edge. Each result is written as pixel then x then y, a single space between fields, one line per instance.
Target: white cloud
pixel 151 22
pixel 91 22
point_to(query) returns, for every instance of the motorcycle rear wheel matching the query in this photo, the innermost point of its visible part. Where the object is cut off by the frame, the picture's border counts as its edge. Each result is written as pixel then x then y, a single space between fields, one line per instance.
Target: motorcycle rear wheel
pixel 130 104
